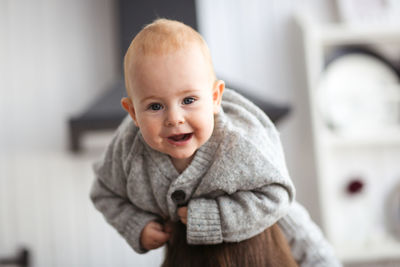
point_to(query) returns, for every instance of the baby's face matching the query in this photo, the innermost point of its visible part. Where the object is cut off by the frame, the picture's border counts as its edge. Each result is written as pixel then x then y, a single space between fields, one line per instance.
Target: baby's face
pixel 174 101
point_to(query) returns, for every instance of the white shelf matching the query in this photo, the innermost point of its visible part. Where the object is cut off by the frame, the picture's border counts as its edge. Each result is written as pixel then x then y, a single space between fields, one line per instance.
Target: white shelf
pixel 341 155
pixel 386 137
pixel 340 34
pixel 381 250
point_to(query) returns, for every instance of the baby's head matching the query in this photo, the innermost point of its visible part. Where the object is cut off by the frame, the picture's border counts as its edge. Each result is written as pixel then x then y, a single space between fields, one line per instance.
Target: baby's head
pixel 173 93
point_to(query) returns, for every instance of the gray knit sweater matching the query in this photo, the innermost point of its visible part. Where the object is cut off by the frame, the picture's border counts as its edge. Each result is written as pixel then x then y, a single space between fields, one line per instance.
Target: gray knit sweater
pixel 236 186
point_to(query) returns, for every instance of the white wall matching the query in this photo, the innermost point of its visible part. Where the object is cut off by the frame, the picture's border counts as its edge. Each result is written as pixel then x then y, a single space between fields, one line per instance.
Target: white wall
pixel 45 207
pixel 256 44
pixel 55 56
pixel 252 44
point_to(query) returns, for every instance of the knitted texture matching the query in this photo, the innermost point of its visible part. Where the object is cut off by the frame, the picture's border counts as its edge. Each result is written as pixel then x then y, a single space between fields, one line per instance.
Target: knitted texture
pixel 236 185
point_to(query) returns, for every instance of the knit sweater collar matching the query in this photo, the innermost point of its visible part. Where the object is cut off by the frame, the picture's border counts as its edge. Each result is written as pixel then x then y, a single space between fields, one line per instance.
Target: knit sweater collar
pixel 203 156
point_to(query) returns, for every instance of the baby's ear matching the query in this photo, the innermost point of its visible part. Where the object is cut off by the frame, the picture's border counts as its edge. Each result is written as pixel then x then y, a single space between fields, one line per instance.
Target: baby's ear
pixel 218 90
pixel 128 106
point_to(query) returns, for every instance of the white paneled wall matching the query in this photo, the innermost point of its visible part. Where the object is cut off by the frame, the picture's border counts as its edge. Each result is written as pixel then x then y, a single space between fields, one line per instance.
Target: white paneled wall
pixel 251 42
pixel 56 56
pixel 45 206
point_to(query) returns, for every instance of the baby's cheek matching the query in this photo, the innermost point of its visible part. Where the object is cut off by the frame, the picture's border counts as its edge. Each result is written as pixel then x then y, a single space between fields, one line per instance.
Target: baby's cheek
pixel 150 137
pixel 210 124
pixel 206 132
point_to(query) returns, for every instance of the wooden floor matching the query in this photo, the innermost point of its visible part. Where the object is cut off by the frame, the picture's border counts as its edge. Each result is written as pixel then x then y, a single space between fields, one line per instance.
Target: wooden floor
pixel 45 206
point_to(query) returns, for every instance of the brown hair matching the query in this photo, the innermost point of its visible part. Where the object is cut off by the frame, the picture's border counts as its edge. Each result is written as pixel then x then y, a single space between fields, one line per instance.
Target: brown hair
pixel 267 249
pixel 161 37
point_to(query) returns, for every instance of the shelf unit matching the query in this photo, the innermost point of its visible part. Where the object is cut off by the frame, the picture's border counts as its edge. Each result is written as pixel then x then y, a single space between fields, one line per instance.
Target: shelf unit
pixel 354 223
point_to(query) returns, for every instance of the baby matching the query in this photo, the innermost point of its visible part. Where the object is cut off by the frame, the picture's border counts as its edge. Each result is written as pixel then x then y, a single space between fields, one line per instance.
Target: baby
pixel 186 154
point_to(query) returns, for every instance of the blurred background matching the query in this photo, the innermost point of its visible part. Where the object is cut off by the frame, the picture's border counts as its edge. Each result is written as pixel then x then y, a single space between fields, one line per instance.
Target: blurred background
pixel 60 64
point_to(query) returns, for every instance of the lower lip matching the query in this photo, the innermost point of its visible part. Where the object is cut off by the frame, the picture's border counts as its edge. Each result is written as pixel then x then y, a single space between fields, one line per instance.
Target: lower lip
pixel 180 143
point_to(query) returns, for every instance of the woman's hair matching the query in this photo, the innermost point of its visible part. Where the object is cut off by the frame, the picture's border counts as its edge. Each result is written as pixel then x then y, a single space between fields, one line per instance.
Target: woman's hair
pixel 267 249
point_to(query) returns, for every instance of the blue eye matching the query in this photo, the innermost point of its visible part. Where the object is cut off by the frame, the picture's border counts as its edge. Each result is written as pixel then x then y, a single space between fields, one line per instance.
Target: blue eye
pixel 155 106
pixel 188 100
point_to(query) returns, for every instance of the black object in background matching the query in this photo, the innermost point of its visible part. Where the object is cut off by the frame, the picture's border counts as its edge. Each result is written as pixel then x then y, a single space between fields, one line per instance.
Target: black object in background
pixel 133 15
pixel 22 259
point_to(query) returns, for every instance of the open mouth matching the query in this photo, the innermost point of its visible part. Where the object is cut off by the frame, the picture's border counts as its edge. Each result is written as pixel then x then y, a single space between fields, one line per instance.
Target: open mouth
pixel 180 138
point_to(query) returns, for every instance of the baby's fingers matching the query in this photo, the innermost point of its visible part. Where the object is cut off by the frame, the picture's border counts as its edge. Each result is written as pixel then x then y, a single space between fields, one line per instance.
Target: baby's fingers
pixel 182 213
pixel 160 238
pixel 168 227
pixel 153 236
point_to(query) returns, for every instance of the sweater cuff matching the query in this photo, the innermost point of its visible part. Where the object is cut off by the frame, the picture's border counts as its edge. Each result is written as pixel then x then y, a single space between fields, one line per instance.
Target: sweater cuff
pixel 133 231
pixel 203 222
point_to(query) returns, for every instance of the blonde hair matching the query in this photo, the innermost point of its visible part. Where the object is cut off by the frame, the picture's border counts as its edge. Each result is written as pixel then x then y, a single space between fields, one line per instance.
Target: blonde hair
pixel 161 37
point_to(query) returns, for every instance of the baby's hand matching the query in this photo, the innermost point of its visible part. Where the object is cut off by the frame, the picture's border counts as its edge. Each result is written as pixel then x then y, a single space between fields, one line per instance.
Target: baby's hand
pixel 154 235
pixel 182 213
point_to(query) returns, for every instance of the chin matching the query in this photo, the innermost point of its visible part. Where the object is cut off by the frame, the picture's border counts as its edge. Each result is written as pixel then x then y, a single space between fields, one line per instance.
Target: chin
pixel 182 155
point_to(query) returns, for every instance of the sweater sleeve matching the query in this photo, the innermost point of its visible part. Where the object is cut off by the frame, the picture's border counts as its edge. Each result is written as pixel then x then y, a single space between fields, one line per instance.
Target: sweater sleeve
pixel 109 190
pixel 235 217
pixel 127 219
pixel 247 187
pixel 308 245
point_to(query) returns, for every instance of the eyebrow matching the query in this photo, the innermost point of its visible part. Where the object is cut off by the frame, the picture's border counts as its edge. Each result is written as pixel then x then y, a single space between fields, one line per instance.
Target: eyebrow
pixel 184 92
pixel 146 98
pixel 187 91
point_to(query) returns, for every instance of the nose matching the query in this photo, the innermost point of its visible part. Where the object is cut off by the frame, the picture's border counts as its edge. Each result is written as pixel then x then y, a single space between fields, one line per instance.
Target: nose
pixel 174 117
